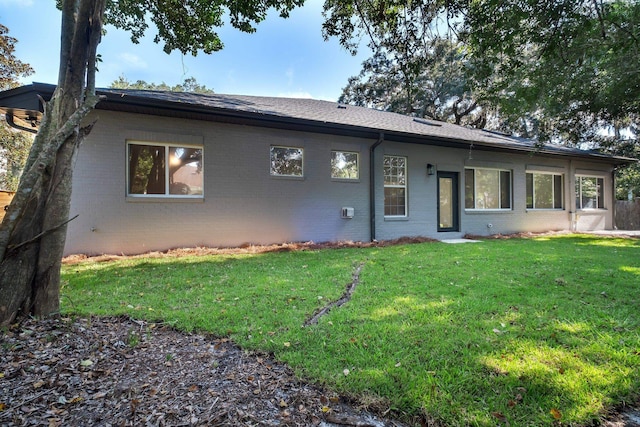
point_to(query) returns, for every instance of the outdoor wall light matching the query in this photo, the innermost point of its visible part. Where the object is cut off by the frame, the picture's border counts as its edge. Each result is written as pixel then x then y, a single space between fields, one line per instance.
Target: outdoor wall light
pixel 431 169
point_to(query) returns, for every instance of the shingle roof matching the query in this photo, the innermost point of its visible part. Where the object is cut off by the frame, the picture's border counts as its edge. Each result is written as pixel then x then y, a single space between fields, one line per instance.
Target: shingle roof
pixel 311 114
pixel 332 113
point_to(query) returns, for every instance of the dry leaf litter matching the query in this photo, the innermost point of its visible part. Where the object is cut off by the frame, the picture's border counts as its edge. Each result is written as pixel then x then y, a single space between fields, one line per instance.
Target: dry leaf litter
pixel 124 372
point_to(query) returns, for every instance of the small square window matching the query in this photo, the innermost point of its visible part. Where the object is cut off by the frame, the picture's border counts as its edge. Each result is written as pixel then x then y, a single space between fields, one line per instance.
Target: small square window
pixel 286 161
pixel 345 165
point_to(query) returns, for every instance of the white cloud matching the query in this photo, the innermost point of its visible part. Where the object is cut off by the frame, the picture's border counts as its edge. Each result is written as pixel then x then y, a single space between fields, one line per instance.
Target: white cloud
pixel 132 61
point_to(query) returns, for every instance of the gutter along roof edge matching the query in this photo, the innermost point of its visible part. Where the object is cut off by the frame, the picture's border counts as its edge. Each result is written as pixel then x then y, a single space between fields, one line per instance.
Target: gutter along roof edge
pixel 247 111
pixel 258 118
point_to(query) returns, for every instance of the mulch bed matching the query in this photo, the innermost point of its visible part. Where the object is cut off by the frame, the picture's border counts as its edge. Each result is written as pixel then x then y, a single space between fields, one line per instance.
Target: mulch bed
pixel 124 372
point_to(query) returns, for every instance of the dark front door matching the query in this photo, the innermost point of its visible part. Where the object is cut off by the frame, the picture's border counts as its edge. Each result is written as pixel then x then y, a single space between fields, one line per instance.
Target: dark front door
pixel 448 207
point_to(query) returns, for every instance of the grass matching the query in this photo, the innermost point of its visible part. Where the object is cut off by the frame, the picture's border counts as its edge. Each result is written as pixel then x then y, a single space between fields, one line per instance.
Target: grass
pixel 541 331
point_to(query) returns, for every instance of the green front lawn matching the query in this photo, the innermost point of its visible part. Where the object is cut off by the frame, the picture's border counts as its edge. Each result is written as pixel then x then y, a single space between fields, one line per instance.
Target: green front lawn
pixel 537 331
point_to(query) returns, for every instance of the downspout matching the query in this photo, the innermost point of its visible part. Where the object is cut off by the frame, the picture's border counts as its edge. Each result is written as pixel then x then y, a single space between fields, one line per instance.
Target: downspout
pixel 571 198
pixel 614 199
pixel 372 187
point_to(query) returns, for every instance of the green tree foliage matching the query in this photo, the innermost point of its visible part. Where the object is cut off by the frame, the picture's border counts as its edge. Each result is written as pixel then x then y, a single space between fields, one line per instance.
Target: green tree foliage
pixel 418 67
pixel 558 69
pixel 10 67
pixel 564 71
pixel 14 150
pixel 435 88
pixel 189 26
pixel 555 68
pixel 190 84
pixel 14 145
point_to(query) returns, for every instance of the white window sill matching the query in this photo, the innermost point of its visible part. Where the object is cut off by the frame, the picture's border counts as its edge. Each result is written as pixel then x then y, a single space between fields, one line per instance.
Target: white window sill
pixel 291 177
pixel 348 180
pixel 396 218
pixel 163 199
pixel 487 211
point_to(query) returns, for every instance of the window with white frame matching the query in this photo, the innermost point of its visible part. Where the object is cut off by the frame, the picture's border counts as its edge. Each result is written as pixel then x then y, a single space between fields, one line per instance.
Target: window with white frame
pixel 345 165
pixel 159 169
pixel 487 189
pixel 395 186
pixel 589 192
pixel 544 190
pixel 286 161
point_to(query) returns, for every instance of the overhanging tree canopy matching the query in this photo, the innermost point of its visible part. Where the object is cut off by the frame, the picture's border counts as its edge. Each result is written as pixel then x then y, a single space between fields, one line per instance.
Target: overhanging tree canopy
pixel 556 69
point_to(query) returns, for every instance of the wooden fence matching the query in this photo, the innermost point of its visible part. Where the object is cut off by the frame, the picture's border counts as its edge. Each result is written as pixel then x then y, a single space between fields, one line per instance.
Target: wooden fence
pixel 5 199
pixel 628 214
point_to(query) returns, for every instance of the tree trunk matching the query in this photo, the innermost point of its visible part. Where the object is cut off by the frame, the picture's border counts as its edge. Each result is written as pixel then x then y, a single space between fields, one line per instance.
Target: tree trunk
pixel 33 232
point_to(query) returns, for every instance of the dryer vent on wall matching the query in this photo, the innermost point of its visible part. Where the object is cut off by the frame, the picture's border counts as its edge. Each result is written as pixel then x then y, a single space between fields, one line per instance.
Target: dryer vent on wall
pixel 347 213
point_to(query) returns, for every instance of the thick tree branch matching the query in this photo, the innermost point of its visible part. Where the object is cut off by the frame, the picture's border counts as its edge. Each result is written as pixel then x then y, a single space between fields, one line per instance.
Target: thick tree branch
pixel 39 235
pixel 367 27
pixel 66 35
pixel 94 41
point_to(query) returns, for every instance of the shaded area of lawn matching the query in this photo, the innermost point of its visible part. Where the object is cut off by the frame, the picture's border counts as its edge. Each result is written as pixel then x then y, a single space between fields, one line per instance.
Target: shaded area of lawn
pixel 529 331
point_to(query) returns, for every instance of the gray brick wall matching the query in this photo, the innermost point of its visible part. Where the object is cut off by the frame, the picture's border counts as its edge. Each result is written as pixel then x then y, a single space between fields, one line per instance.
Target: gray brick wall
pixel 244 204
pixel 422 190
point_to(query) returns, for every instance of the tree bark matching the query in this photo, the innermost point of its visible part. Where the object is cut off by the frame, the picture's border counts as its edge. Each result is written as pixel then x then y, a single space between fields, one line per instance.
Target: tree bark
pixel 33 232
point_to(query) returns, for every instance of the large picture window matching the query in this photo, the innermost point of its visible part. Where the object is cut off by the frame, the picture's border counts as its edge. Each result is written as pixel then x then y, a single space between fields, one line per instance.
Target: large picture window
pixel 487 189
pixel 156 169
pixel 344 165
pixel 395 186
pixel 286 161
pixel 544 191
pixel 589 192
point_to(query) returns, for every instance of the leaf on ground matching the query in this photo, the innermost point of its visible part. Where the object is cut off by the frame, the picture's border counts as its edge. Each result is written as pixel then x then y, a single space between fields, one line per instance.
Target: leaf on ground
pixel 556 414
pixel 499 415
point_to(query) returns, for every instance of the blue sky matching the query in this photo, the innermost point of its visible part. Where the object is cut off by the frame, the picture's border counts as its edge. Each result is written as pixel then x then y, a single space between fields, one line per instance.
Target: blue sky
pixel 285 58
